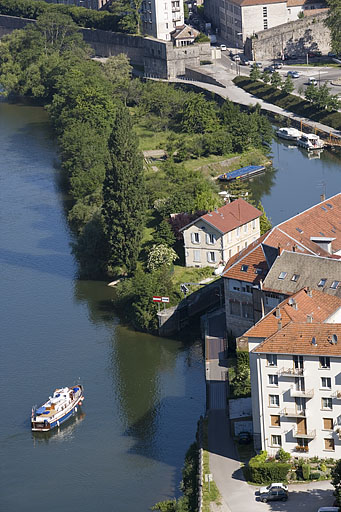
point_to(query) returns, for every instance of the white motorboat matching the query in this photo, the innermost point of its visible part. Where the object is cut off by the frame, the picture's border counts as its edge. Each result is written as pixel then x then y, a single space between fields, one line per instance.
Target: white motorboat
pixel 289 133
pixel 57 409
pixel 310 141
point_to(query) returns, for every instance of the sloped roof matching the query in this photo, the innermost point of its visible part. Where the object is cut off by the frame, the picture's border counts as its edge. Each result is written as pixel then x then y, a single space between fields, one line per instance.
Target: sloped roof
pixel 310 269
pixel 321 220
pixel 296 338
pixel 230 216
pixel 246 3
pixel 296 309
pixel 185 32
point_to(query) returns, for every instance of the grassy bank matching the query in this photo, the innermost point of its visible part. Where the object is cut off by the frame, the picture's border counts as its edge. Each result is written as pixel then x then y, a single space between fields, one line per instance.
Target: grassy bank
pixel 289 102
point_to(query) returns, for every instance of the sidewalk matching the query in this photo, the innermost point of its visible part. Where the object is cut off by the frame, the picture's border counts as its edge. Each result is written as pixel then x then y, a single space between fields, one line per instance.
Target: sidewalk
pixel 238 95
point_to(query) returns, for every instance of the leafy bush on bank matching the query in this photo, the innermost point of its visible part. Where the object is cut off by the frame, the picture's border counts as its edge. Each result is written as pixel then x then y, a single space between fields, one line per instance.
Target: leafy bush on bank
pixel 289 102
pixel 87 18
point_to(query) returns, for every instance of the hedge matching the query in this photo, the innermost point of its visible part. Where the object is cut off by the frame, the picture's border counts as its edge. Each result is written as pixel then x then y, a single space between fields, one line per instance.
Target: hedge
pixel 87 18
pixel 290 102
pixel 262 473
pixel 306 471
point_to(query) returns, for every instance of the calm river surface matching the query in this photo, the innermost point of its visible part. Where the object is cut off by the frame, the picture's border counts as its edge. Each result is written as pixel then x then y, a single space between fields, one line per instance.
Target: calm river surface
pixel 144 394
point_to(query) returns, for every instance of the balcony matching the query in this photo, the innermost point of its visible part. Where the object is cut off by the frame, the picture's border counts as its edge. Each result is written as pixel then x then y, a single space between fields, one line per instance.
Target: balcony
pixel 301 449
pixel 175 9
pixel 309 434
pixel 295 393
pixel 293 413
pixel 337 395
pixel 291 372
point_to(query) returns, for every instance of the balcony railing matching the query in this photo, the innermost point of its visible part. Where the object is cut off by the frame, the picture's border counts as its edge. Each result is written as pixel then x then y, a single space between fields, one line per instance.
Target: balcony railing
pixel 291 372
pixel 301 393
pixel 293 413
pixel 301 449
pixel 309 434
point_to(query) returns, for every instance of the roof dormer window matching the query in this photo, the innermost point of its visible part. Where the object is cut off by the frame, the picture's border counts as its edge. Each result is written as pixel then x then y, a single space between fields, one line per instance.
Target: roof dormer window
pixel 335 284
pixel 244 268
pixel 322 282
pixel 282 275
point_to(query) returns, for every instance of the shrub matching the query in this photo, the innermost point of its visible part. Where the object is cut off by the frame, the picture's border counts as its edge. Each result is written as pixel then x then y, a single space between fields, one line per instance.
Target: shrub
pixel 306 471
pixel 260 458
pixel 283 456
pixel 315 476
pixel 323 467
pixel 268 472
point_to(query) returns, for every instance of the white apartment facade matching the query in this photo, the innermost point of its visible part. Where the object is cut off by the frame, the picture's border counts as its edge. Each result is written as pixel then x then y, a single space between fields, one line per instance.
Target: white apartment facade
pixel 215 237
pixel 159 18
pixel 237 20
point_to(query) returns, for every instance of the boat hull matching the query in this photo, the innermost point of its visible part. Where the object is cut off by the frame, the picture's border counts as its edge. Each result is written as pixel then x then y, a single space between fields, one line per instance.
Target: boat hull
pixel 59 417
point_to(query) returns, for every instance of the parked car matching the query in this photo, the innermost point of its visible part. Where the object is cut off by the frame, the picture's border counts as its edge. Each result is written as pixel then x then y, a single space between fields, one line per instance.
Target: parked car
pixel 315 53
pixel 276 495
pixel 258 64
pixel 269 69
pixel 293 74
pixel 244 438
pixel 278 65
pixel 245 62
pixel 236 58
pixel 312 81
pixel 273 487
pixel 223 47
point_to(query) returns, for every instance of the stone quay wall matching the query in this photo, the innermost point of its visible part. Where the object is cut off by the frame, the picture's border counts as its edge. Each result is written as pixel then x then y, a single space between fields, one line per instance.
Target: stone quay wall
pixel 159 59
pixel 296 37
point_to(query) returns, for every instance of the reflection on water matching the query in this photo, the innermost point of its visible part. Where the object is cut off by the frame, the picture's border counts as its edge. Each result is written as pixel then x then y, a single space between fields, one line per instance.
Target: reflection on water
pixel 64 433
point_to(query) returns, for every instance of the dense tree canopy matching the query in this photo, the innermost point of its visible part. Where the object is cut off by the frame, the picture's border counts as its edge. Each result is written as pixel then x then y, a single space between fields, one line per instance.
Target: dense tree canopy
pixel 333 22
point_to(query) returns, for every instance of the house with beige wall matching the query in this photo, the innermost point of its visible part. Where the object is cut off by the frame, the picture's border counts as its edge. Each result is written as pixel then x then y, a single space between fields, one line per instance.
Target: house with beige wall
pixel 216 236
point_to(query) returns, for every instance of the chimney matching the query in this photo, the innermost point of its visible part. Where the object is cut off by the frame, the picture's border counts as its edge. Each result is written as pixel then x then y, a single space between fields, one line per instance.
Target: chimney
pixel 295 305
pixel 279 249
pixel 309 292
pixel 310 319
pixel 278 313
pixel 294 248
pixel 323 197
pixel 279 324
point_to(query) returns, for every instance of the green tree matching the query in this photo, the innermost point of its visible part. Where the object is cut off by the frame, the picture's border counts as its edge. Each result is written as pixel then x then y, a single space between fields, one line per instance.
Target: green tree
pixel 264 222
pixel 164 234
pixel 276 79
pixel 336 481
pixel 333 22
pixel 124 200
pixel 160 255
pixel 118 71
pixel 311 93
pixel 288 85
pixel 255 72
pixel 199 115
pixel 266 77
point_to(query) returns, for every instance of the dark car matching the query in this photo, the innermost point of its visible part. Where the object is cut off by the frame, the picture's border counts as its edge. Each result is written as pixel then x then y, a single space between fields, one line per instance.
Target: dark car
pixel 274 495
pixel 244 438
pixel 269 69
pixel 278 65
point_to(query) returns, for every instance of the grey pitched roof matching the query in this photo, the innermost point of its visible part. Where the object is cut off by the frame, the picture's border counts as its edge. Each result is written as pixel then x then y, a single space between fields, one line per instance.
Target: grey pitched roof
pixel 310 269
pixel 270 254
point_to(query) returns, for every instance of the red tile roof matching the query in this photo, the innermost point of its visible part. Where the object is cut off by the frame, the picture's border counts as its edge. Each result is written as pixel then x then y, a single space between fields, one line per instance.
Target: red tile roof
pixel 230 216
pixel 315 303
pixel 321 220
pixel 296 338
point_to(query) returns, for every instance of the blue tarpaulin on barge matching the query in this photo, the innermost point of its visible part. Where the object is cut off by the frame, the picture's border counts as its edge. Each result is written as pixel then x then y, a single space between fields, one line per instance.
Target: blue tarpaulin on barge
pixel 244 172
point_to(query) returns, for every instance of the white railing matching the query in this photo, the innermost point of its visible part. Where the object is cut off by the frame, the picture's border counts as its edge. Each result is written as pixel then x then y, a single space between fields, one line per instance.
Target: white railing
pixel 309 434
pixel 293 413
pixel 291 372
pixel 301 393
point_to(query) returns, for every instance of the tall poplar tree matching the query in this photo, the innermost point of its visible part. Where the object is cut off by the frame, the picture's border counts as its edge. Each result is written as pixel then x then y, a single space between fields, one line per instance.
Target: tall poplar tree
pixel 124 195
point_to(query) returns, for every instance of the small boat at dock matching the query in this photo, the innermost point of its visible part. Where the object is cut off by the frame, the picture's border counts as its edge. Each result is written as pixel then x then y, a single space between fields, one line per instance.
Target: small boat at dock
pixel 310 141
pixel 243 173
pixel 57 409
pixel 289 133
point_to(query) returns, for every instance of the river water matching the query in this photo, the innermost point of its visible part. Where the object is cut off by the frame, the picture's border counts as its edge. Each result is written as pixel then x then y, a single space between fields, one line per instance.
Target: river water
pixel 144 394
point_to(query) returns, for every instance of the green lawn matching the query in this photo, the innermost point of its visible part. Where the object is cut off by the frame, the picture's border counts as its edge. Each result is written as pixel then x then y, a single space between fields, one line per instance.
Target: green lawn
pixel 289 102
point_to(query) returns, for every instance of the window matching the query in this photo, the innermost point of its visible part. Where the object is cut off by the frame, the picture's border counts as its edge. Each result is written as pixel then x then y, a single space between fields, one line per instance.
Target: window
pixel 234 307
pixel 326 382
pixel 265 12
pixel 247 310
pixel 259 271
pixel 238 232
pixel 329 445
pixel 298 362
pixel 253 224
pixel 245 245
pixel 275 420
pixel 230 253
pixel 327 423
pixel 271 359
pixel 335 284
pixel 196 256
pixel 327 403
pixel 229 236
pixel 274 400
pixel 273 380
pixel 245 228
pixel 322 282
pixel 325 362
pixel 295 277
pixel 276 441
pixel 265 24
pixel 210 239
pixel 196 238
pixel 244 268
pixel 282 275
pixel 211 257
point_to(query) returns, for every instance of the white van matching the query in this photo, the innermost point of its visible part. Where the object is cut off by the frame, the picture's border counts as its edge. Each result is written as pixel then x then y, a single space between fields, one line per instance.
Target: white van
pixel 312 81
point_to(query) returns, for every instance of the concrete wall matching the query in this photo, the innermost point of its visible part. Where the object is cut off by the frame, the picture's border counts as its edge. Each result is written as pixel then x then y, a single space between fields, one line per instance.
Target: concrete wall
pixel 297 37
pixel 160 59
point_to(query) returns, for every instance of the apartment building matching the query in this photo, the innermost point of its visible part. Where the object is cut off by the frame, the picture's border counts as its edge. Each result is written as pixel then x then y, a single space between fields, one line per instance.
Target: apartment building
pixel 295 364
pixel 159 18
pixel 316 232
pixel 216 236
pixel 238 19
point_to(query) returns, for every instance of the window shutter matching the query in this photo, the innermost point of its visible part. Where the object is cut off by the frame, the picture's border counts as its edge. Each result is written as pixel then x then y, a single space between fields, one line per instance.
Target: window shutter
pixel 208 257
pixel 192 238
pixel 207 238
